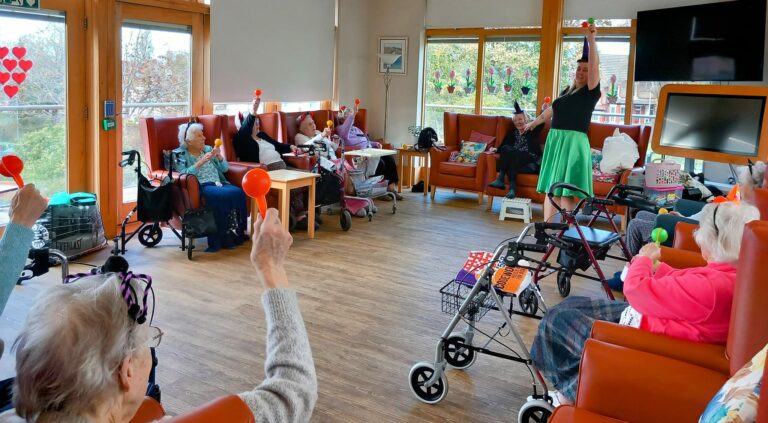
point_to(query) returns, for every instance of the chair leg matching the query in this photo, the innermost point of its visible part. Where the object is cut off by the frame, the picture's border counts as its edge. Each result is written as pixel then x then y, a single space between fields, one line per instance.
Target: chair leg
pixel 480 197
pixel 490 203
pixel 432 194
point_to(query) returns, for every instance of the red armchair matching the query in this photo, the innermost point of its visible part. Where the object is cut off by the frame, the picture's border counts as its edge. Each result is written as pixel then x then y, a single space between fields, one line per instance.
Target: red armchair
pixel 597 133
pixel 160 134
pixel 636 376
pixel 229 409
pixel 464 176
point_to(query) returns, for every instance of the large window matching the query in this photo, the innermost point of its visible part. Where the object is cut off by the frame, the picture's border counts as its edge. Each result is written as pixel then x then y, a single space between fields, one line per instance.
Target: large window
pixel 511 72
pixel 614 65
pixel 33 99
pixel 450 79
pixel 156 82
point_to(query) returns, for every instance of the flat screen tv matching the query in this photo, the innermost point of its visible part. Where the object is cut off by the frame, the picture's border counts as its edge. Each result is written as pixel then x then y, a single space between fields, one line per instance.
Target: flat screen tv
pixel 709 42
pixel 709 122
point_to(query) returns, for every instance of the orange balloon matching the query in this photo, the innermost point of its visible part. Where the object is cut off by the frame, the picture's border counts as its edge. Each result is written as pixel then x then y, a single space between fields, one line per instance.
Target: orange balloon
pixel 256 184
pixel 11 167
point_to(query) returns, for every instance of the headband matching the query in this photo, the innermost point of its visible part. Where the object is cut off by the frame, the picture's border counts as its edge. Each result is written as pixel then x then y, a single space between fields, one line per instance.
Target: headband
pixel 303 116
pixel 192 119
pixel 137 312
pixel 714 220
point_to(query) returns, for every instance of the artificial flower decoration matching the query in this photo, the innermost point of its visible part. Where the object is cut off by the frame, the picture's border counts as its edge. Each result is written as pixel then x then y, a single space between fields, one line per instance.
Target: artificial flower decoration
pixel 437 83
pixel 612 95
pixel 451 81
pixel 468 83
pixel 525 89
pixel 491 80
pixel 508 82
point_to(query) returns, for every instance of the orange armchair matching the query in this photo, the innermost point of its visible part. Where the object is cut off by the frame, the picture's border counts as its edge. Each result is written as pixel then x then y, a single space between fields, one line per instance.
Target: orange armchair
pixel 635 376
pixel 464 176
pixel 230 409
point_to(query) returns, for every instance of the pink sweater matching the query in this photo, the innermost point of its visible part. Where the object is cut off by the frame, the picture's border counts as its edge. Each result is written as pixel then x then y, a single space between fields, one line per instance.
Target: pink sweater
pixel 692 304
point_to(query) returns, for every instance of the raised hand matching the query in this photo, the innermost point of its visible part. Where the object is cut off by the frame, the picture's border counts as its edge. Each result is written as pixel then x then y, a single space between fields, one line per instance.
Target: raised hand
pixel 271 243
pixel 255 106
pixel 27 206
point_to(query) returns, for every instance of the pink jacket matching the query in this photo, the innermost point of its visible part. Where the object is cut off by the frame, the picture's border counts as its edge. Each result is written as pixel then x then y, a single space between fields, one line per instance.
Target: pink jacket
pixel 692 304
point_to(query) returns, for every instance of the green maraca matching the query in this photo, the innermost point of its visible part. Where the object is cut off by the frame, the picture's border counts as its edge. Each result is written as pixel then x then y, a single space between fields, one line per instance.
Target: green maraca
pixel 659 235
pixel 591 21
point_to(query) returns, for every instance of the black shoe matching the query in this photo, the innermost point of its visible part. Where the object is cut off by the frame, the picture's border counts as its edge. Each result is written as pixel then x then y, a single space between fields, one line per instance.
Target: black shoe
pixel 511 193
pixel 497 184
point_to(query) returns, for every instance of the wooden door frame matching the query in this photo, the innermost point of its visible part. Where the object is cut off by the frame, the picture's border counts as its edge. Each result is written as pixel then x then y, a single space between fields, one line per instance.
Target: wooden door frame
pixel 129 10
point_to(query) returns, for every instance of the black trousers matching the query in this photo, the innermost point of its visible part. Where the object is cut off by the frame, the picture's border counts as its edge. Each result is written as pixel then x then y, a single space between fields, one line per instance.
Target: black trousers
pixel 512 162
pixel 388 168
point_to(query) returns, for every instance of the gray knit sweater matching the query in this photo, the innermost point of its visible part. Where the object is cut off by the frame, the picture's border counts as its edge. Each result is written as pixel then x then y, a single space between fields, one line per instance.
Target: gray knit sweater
pixel 289 392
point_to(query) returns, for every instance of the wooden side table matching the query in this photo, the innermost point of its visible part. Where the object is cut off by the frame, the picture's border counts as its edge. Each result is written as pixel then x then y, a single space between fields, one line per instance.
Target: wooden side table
pixel 406 156
pixel 284 181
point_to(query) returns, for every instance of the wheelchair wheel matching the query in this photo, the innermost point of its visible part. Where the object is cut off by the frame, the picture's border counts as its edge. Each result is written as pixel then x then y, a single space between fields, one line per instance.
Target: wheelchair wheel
pixel 564 282
pixel 346 220
pixel 529 301
pixel 535 411
pixel 420 373
pixel 150 235
pixel 458 357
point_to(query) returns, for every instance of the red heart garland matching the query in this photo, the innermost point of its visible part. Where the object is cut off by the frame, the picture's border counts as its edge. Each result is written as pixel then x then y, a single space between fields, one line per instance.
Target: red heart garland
pixel 25 64
pixel 3 52
pixel 19 52
pixel 10 64
pixel 4 77
pixel 11 90
pixel 19 77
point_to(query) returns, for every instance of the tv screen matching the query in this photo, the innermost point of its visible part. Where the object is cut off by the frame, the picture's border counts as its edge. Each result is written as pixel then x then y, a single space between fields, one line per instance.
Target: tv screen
pixel 710 42
pixel 718 123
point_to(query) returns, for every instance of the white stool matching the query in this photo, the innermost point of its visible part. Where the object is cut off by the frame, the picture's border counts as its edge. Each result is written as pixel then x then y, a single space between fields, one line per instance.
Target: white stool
pixel 516 208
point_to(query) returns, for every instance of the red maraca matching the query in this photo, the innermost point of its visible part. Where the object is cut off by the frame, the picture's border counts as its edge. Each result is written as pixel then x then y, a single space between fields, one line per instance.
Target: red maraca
pixel 11 167
pixel 256 184
pixel 357 102
pixel 257 93
pixel 547 99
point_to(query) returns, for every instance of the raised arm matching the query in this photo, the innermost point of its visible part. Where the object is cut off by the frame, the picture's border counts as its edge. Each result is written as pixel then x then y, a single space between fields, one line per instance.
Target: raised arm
pixel 593 76
pixel 543 117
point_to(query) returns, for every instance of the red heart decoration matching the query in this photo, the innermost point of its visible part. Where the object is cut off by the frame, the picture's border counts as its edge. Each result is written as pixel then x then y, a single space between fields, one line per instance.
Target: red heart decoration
pixel 4 77
pixel 3 52
pixel 10 64
pixel 25 64
pixel 11 90
pixel 19 52
pixel 19 77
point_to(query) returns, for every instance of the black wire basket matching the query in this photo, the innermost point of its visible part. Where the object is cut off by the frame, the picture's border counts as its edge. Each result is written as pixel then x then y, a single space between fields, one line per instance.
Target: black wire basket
pixel 455 292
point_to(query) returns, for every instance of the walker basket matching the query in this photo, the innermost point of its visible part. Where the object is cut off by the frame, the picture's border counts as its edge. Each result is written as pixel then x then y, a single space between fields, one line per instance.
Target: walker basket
pixel 453 295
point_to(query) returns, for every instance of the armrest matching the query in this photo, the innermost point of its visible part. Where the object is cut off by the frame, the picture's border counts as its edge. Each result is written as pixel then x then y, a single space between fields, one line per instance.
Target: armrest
pixel 684 239
pixel 187 193
pixel 302 162
pixel 709 356
pixel 614 384
pixel 681 259
pixel 237 171
pixel 229 408
pixel 149 411
pixel 437 156
pixel 480 174
pixel 491 160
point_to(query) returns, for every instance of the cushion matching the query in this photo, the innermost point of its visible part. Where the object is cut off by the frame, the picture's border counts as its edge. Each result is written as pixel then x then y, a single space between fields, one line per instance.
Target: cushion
pixel 458 169
pixel 488 140
pixel 470 151
pixel 454 156
pixel 737 400
pixel 597 174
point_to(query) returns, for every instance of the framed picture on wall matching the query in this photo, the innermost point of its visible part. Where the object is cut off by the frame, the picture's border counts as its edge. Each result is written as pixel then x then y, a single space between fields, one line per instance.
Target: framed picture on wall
pixel 393 53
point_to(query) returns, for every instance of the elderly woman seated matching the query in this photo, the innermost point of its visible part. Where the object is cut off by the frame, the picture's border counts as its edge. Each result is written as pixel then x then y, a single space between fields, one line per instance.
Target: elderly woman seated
pixel 83 354
pixel 227 201
pixel 353 138
pixel 691 304
pixel 309 134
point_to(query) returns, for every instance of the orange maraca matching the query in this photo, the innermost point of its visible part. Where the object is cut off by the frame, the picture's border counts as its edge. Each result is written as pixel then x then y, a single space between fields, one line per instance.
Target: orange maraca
pixel 256 184
pixel 257 93
pixel 11 167
pixel 217 143
pixel 329 124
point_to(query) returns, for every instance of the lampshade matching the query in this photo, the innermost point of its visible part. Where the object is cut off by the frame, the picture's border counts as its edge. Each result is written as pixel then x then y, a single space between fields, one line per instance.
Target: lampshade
pixel 389 59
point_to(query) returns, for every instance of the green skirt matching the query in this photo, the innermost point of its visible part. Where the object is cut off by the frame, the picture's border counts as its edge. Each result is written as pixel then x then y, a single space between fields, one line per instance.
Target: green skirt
pixel 567 158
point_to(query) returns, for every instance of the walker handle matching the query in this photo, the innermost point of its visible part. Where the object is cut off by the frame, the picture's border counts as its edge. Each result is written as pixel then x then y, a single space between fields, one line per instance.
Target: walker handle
pixel 553 187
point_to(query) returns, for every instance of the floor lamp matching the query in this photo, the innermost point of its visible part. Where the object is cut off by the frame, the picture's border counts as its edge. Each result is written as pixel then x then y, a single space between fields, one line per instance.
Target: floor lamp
pixel 387 60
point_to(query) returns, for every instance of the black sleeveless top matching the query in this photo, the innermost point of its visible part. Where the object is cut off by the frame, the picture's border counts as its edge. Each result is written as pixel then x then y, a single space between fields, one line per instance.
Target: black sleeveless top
pixel 574 111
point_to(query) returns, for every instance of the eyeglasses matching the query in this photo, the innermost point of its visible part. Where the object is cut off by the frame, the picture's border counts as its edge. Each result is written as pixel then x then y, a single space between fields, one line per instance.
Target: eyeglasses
pixel 155 336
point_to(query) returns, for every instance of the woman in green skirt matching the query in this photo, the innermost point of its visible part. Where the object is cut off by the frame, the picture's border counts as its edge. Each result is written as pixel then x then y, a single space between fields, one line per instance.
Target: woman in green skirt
pixel 567 156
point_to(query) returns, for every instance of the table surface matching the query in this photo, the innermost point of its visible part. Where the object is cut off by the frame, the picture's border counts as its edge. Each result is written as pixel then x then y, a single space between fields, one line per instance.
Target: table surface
pixel 287 175
pixel 371 152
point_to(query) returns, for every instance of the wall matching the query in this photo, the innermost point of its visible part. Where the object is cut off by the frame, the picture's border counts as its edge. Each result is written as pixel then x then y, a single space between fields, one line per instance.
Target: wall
pixel 353 51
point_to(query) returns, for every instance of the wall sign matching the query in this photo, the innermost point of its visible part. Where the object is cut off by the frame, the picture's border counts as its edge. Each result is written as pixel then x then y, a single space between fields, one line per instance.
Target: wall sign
pixel 25 4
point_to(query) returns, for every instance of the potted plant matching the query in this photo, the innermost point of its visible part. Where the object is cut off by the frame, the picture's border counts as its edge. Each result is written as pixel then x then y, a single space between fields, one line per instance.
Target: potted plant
pixel 437 83
pixel 508 82
pixel 612 96
pixel 451 81
pixel 469 84
pixel 525 88
pixel 491 81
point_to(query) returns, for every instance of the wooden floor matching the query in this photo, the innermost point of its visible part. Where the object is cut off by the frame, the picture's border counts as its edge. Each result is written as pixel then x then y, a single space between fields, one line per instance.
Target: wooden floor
pixel 371 305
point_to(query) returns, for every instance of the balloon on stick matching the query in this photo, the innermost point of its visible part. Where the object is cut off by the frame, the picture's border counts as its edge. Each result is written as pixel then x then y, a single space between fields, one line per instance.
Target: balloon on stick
pixel 11 167
pixel 256 184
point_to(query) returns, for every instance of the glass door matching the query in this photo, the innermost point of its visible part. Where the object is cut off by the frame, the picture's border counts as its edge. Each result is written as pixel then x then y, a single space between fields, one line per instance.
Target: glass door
pixel 39 84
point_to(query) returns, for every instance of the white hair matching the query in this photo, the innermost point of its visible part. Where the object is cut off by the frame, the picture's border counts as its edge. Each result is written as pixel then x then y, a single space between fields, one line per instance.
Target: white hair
pixel 71 345
pixel 187 131
pixel 753 179
pixel 721 227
